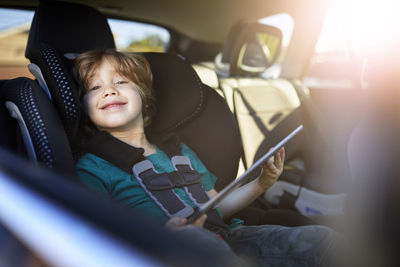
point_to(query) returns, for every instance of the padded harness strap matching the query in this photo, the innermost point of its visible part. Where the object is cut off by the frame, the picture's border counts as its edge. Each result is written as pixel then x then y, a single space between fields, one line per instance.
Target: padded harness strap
pixel 171 146
pixel 160 188
pixel 195 191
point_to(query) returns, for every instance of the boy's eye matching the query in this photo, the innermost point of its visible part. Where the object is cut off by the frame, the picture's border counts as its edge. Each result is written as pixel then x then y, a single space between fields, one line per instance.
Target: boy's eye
pixel 94 88
pixel 122 82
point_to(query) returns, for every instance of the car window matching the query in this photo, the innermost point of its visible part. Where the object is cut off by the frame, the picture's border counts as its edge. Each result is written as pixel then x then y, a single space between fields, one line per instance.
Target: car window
pixel 133 36
pixel 331 65
pixel 14 29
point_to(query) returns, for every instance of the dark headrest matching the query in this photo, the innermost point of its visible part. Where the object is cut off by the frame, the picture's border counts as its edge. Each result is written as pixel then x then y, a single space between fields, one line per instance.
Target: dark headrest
pixel 179 92
pixel 59 28
pixel 68 27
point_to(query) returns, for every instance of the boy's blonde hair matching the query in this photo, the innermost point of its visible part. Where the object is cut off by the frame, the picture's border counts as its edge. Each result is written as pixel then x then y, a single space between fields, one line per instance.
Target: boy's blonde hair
pixel 132 66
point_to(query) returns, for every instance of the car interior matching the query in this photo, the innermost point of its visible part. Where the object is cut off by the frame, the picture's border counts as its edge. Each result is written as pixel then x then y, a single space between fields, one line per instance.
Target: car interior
pixel 230 91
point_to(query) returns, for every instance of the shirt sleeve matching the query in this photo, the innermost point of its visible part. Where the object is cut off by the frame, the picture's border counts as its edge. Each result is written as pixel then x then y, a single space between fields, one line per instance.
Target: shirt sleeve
pixel 208 179
pixel 92 175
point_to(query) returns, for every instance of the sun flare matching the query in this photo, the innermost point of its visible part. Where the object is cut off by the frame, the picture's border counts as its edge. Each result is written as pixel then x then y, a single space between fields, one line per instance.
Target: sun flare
pixel 364 25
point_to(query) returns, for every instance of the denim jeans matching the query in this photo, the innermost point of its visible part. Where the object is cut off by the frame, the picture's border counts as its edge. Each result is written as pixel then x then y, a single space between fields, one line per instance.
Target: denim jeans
pixel 274 245
pixel 210 240
pixel 270 245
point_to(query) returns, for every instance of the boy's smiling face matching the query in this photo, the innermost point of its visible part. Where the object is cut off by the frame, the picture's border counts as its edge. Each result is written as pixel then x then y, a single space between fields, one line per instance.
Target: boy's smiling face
pixel 113 102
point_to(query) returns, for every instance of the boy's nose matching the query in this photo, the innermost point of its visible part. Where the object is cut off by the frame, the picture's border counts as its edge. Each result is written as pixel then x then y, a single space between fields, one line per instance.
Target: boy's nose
pixel 109 91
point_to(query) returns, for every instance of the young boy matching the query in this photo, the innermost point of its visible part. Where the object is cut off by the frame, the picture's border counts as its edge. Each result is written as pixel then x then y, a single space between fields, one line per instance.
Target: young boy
pixel 118 101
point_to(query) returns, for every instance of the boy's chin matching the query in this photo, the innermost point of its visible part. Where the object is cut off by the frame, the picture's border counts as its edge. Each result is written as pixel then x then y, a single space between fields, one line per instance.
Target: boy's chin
pixel 118 127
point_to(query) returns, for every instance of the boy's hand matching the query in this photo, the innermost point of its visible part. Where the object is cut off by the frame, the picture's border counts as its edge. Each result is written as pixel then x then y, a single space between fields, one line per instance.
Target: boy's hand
pixel 272 169
pixel 175 223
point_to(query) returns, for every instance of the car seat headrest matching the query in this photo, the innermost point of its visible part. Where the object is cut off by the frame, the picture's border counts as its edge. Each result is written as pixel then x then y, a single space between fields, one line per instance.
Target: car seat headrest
pixel 230 42
pixel 249 49
pixel 68 27
pixel 60 28
pixel 179 92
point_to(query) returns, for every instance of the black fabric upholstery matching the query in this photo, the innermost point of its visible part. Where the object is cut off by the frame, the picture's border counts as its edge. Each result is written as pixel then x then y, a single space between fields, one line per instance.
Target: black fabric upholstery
pixel 179 92
pixel 61 85
pixel 48 138
pixel 215 137
pixel 71 28
pixel 8 129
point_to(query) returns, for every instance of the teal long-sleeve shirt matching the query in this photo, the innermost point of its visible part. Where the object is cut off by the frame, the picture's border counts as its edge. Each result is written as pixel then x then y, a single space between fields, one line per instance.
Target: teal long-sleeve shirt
pixel 100 175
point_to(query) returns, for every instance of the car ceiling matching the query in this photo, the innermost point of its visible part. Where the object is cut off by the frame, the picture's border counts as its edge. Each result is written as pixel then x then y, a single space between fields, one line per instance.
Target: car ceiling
pixel 205 20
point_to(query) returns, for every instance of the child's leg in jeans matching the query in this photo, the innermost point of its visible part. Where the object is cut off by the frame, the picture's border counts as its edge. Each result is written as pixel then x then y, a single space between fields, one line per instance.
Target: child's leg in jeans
pixel 211 241
pixel 274 245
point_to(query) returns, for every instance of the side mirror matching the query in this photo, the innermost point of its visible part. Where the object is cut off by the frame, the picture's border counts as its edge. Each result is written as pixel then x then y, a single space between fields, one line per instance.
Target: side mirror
pixel 251 48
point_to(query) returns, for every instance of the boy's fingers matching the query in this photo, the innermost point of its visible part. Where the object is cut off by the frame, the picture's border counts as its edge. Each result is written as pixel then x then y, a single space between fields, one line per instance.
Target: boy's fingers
pixel 203 218
pixel 175 222
pixel 280 158
pixel 272 169
pixel 271 160
pixel 282 152
pixel 277 159
pixel 178 221
pixel 200 221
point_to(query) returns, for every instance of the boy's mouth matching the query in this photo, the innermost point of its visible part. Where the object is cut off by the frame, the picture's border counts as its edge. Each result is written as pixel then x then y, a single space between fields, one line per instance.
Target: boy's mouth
pixel 112 105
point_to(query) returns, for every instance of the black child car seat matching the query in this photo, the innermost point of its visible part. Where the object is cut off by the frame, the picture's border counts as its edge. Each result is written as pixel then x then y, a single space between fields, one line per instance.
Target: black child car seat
pixel 186 106
pixel 58 32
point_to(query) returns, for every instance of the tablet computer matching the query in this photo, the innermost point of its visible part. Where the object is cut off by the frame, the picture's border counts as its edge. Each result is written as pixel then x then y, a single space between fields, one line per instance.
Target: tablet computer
pixel 213 202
